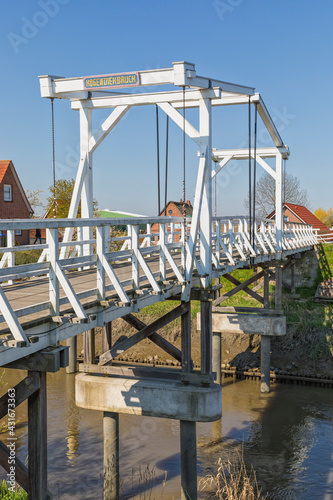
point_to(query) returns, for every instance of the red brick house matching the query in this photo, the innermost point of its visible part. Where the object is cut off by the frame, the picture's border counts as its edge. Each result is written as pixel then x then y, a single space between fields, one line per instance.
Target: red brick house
pixel 298 213
pixel 175 209
pixel 14 203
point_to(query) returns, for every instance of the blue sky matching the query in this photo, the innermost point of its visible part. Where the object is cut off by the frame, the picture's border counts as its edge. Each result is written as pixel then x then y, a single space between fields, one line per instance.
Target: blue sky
pixel 282 48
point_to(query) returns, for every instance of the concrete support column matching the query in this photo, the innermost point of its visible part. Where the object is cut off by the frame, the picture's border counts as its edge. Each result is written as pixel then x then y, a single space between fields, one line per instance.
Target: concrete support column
pixel 89 347
pixel 111 455
pixel 72 353
pixel 217 356
pixel 37 441
pixel 188 460
pixel 265 355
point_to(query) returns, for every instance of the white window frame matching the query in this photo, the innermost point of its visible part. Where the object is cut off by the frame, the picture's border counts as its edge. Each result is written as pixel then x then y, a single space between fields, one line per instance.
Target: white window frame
pixel 10 191
pixel 18 232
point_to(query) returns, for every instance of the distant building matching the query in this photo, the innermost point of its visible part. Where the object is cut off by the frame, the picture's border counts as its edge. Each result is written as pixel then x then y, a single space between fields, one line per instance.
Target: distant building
pixel 300 214
pixel 14 203
pixel 174 209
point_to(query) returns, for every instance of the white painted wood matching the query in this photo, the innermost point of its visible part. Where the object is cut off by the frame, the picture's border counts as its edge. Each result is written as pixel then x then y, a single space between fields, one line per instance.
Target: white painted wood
pixel 206 207
pixel 179 120
pixel 106 127
pixel 278 203
pixel 100 271
pixel 142 99
pixel 53 255
pixel 69 291
pixel 135 261
pixel 162 244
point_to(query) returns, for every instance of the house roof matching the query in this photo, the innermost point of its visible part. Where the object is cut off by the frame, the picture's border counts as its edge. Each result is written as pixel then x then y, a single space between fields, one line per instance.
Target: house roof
pixel 304 215
pixel 179 206
pixel 8 164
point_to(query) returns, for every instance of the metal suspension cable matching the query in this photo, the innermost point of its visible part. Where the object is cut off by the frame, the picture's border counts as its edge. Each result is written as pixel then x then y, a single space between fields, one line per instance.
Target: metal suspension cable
pixel 158 164
pixel 166 162
pixel 53 162
pixel 254 171
pixel 250 172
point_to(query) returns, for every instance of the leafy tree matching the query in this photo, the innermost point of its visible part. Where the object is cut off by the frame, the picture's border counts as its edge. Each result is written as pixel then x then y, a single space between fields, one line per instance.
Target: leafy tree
pixel 326 216
pixel 265 194
pixel 62 199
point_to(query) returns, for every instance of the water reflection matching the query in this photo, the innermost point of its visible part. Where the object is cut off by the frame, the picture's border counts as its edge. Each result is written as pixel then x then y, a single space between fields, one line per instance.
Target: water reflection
pixel 72 420
pixel 287 436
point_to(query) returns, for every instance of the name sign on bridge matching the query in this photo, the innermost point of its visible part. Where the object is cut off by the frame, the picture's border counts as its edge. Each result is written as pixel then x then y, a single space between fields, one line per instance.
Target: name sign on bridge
pixel 111 81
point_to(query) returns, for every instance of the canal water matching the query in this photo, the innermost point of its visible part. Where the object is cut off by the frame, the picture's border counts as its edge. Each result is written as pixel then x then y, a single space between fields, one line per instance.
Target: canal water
pixel 286 435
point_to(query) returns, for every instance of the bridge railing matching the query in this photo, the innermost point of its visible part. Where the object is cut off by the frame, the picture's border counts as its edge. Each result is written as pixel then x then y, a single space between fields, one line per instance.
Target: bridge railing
pixel 233 239
pixel 98 247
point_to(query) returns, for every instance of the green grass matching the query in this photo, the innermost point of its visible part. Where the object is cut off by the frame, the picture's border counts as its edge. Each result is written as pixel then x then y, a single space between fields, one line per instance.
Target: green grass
pixel 5 494
pixel 26 257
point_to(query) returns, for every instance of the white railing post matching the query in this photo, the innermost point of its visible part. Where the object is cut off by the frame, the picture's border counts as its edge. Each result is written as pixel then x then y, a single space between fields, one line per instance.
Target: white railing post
pixel 162 250
pixel 53 256
pixel 100 250
pixel 278 203
pixel 135 249
pixel 11 255
pixel 182 240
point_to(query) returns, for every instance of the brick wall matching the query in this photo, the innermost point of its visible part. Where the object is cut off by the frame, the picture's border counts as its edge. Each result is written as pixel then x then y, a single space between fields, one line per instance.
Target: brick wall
pixel 15 209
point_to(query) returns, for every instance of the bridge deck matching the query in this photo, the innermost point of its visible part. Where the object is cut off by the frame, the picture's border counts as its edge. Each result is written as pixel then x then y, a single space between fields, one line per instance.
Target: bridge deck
pixel 67 295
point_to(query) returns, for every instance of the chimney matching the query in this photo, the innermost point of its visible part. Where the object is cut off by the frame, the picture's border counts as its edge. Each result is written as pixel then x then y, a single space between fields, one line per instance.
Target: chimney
pixel 188 203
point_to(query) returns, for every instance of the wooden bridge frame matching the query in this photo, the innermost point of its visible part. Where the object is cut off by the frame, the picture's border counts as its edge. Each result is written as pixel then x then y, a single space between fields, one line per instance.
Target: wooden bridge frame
pixel 167 269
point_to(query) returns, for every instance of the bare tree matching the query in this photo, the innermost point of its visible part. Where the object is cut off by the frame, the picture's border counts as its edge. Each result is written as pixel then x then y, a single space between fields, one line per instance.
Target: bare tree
pixel 265 194
pixel 34 197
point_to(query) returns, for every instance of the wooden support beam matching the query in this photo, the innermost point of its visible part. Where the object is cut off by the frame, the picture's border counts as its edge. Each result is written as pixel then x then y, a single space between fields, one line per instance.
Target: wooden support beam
pixel 21 471
pixel 186 340
pixel 89 346
pixel 48 360
pixel 107 337
pixel 154 337
pixel 206 336
pixel 24 389
pixel 241 287
pixel 37 440
pixel 142 334
pixel 254 310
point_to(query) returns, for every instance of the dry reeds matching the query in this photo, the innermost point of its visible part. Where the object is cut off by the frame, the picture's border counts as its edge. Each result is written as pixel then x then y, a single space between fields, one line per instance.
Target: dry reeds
pixel 232 481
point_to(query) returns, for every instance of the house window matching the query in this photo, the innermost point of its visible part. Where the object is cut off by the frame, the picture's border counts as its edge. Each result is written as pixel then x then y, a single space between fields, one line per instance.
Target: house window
pixel 169 212
pixel 18 232
pixel 7 192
